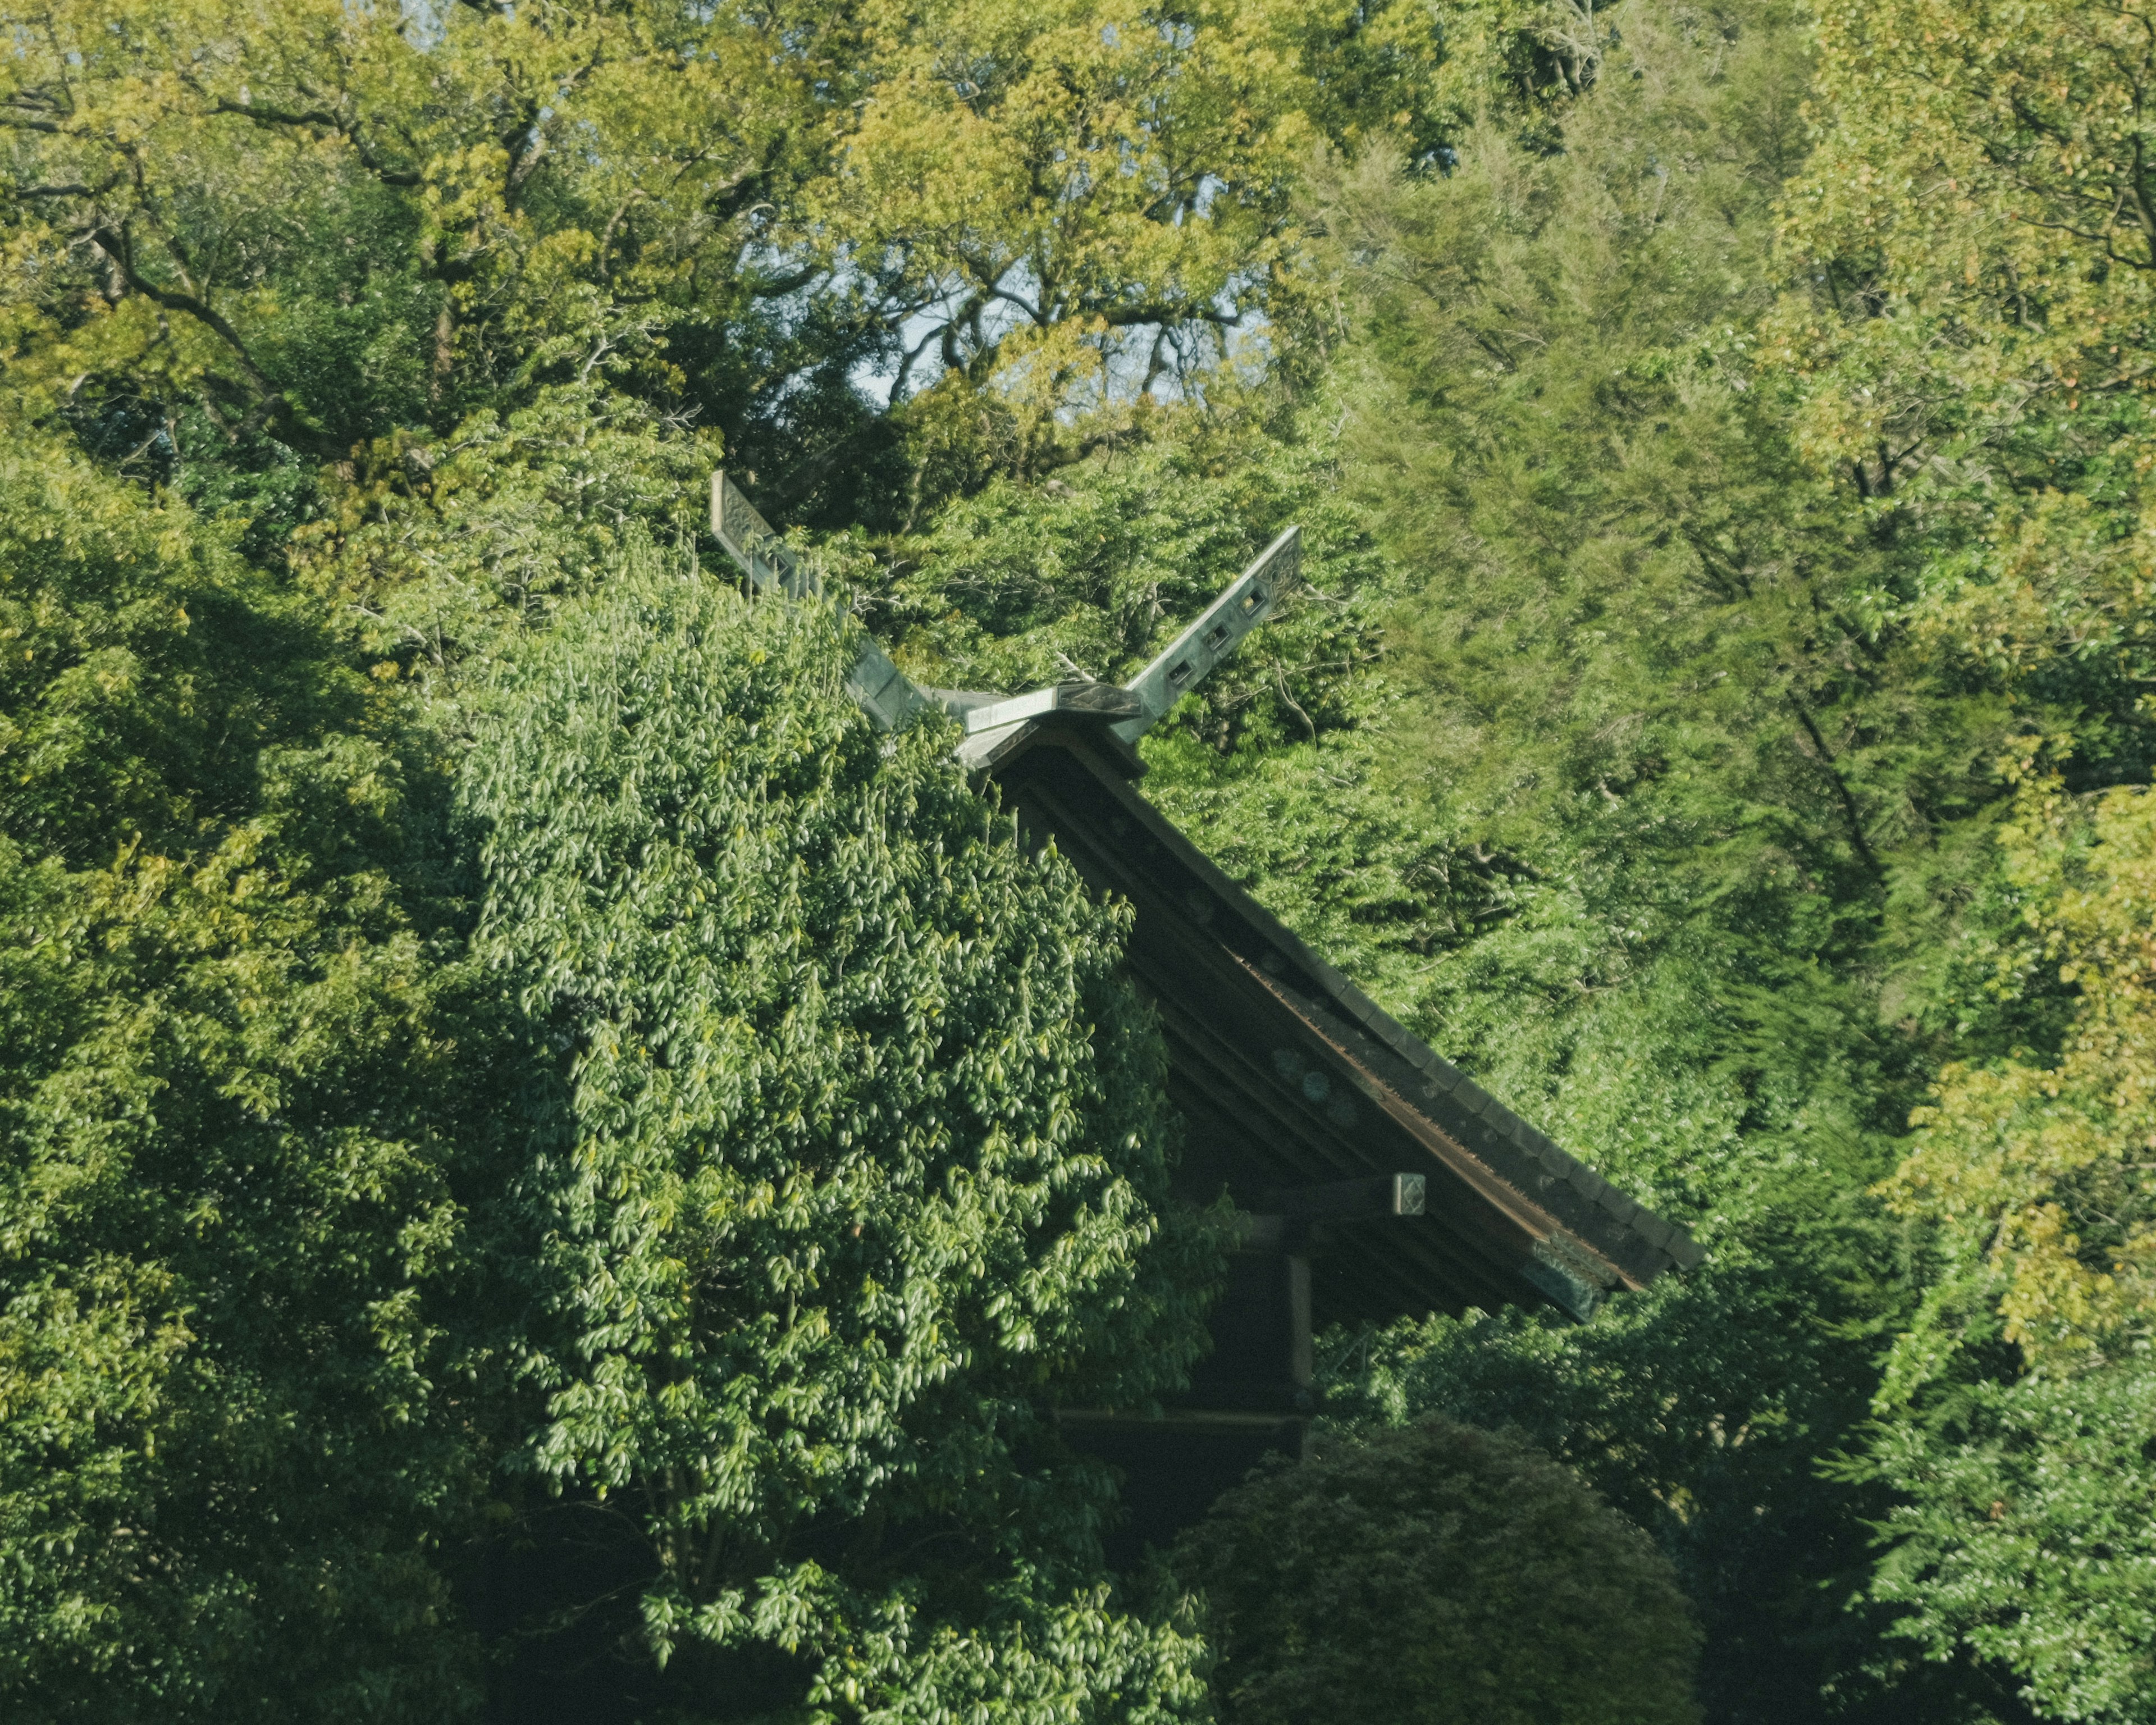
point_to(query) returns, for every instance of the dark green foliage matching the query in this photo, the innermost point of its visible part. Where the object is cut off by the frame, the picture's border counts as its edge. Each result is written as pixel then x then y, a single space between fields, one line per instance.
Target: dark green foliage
pixel 1669 677
pixel 1699 1411
pixel 1649 643
pixel 1280 759
pixel 864 1168
pixel 450 559
pixel 1095 571
pixel 242 1089
pixel 1435 1573
pixel 145 668
pixel 1716 504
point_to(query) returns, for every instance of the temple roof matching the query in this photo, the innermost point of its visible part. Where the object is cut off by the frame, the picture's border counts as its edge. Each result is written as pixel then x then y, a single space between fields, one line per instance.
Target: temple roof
pixel 1303 1077
pixel 1289 1077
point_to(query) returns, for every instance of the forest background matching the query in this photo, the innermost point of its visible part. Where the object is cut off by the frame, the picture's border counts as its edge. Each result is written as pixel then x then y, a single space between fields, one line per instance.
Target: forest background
pixel 1717 714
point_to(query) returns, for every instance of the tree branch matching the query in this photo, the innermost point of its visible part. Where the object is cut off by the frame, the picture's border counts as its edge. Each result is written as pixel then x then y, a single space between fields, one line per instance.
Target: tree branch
pixel 1850 814
pixel 328 122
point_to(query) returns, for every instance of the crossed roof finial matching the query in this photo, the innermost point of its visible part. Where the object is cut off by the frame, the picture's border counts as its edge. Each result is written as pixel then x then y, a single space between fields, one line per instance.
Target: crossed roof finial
pixel 891 698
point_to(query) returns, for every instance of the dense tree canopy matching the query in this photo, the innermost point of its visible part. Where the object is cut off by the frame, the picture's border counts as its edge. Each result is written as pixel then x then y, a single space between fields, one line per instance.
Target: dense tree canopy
pixel 863 1166
pixel 246 1102
pixel 1437 1574
pixel 2027 1501
pixel 537 1147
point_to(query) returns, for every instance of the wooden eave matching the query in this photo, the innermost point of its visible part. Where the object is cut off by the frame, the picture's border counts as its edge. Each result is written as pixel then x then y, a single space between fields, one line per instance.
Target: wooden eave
pixel 1313 1081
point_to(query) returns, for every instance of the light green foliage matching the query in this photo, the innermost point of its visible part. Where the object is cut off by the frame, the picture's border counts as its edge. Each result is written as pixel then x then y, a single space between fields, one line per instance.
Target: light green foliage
pixel 230 1442
pixel 1075 199
pixel 338 222
pixel 1663 677
pixel 2027 1535
pixel 1715 505
pixel 2024 1531
pixel 451 552
pixel 1437 1574
pixel 1699 1411
pixel 1279 758
pixel 864 1169
pixel 1634 618
pixel 301 258
pixel 434 310
pixel 1095 572
pixel 2035 1175
pixel 1329 838
pixel 1976 221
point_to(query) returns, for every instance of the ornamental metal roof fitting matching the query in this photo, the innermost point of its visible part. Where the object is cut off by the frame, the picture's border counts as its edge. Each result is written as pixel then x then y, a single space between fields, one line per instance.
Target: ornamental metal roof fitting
pixel 876 684
pixel 1247 602
pixel 890 697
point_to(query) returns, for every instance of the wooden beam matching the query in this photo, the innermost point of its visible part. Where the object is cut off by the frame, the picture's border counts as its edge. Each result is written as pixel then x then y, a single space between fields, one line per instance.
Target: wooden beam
pixel 1179 963
pixel 1348 1201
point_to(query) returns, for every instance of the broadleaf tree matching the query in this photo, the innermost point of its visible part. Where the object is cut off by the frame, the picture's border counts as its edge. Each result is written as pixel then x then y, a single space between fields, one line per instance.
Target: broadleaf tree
pixel 1437 1574
pixel 250 1094
pixel 2018 1414
pixel 862 1172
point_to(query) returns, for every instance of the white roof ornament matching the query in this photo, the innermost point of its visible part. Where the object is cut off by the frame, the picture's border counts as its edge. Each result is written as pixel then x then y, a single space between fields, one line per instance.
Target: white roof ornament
pixel 1246 603
pixel 890 698
pixel 750 541
pixel 881 687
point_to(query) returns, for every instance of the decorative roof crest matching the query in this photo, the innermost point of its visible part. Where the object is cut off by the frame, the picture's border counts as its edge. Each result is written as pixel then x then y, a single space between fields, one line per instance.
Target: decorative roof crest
pixel 1130 711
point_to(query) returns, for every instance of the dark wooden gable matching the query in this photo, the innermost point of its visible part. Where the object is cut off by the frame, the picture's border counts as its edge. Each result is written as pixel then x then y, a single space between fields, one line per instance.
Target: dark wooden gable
pixel 1288 1076
pixel 1317 1115
pixel 1373 1180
